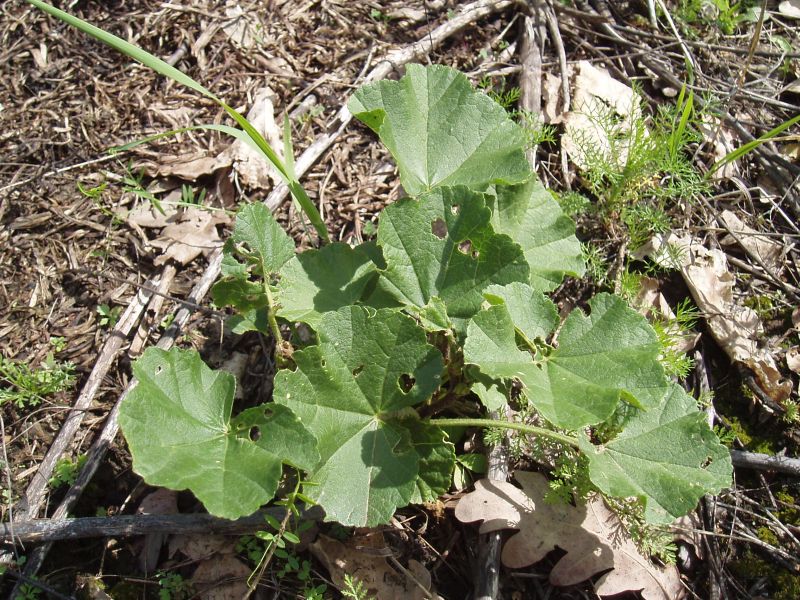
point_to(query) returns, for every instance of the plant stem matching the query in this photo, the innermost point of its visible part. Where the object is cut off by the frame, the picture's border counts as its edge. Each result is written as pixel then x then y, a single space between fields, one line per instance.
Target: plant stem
pixel 532 429
pixel 273 322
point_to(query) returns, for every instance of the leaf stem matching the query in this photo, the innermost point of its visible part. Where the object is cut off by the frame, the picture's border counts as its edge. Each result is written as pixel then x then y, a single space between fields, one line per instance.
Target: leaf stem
pixel 532 429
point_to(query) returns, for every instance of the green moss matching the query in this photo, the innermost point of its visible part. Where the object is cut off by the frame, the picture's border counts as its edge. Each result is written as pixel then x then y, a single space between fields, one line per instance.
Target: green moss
pixel 787 586
pixel 728 400
pixel 790 514
pixel 763 305
pixel 783 585
pixel 765 534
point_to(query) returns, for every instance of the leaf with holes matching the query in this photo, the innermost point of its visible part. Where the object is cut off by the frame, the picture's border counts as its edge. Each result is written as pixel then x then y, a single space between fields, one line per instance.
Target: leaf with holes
pixel 531 217
pixel 443 246
pixel 667 456
pixel 177 421
pixel 355 391
pixel 441 131
pixel 602 358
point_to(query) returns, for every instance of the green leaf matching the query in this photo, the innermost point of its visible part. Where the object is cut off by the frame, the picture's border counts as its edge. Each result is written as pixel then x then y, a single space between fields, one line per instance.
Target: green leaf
pixel 667 456
pixel 243 294
pixel 258 230
pixel 442 246
pixel 263 244
pixel 354 391
pixel 609 355
pixel 325 280
pixel 474 462
pixel 534 315
pixel 491 395
pixel 249 320
pixel 530 216
pixel 177 421
pixel 437 457
pixel 433 315
pixel 441 131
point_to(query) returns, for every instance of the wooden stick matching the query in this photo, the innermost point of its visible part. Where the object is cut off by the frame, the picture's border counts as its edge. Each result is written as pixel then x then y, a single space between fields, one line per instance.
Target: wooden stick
pixel 765 462
pixel 52 530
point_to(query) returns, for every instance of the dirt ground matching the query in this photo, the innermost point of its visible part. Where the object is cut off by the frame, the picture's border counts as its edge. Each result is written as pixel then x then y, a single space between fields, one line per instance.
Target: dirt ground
pixel 73 261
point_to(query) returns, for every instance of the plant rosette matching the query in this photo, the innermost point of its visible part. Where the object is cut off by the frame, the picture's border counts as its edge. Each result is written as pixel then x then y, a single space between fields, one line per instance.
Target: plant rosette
pixel 448 304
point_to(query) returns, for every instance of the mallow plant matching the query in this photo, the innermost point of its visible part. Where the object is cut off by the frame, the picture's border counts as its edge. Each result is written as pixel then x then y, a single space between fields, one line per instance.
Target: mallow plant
pixel 448 306
pixel 447 310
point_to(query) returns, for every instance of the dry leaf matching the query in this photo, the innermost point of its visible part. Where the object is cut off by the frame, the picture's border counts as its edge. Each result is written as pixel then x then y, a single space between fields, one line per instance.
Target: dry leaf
pixel 176 116
pixel 221 578
pixel 595 93
pixel 160 502
pixel 591 534
pixel 189 167
pixel 236 365
pixel 793 359
pixel 146 215
pixel 194 232
pixel 252 168
pixel 769 251
pixel 723 142
pixel 242 28
pixel 689 529
pixel 790 9
pixel 551 96
pixel 201 547
pixel 735 327
pixel 359 557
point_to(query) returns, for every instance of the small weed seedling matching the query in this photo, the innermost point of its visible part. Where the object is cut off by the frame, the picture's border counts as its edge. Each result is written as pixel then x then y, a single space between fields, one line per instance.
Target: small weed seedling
pixel 353 588
pixel 445 310
pixel 726 15
pixel 66 471
pixel 25 386
pixel 172 586
pixel 108 315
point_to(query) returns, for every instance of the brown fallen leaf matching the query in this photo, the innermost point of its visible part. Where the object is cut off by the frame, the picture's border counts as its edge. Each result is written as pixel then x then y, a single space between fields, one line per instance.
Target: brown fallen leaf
pixel 188 167
pixel 769 251
pixel 160 502
pixel 221 578
pixel 249 163
pixel 147 216
pixel 590 533
pixel 200 547
pixel 793 359
pixel 735 327
pixel 243 28
pixel 193 233
pixel 652 304
pixel 360 558
pixel 595 94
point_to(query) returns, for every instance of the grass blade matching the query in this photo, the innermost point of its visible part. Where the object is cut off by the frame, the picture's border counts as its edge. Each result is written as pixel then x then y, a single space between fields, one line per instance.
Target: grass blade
pixel 744 149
